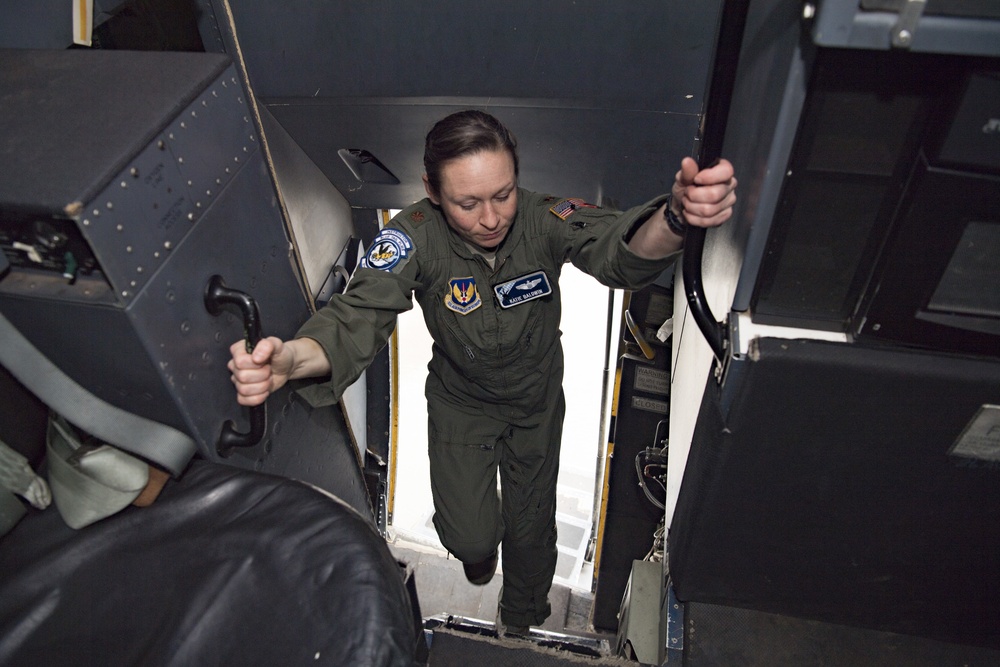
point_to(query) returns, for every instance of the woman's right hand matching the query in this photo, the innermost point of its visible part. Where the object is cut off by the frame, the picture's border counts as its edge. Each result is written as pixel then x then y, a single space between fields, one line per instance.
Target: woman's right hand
pixel 258 374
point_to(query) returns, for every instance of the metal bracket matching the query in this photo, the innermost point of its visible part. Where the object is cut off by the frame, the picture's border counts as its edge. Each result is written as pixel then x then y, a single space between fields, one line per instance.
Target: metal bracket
pixel 675 626
pixel 902 33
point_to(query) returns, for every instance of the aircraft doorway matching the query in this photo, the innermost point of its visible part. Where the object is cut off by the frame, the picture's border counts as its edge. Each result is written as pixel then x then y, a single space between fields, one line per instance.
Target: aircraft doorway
pixel 584 327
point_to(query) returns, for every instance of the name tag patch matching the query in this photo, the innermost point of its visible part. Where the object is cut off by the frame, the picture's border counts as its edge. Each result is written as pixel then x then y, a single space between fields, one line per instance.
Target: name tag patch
pixel 525 288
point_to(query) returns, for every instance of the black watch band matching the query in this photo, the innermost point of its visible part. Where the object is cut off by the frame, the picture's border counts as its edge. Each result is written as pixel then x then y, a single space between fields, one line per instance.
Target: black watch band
pixel 676 223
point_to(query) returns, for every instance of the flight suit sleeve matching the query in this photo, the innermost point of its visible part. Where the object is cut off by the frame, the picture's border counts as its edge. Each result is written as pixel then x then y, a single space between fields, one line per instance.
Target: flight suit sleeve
pixel 354 326
pixel 596 239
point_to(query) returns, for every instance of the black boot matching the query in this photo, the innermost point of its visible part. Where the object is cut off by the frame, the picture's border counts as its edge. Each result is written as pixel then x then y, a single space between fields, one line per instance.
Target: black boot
pixel 482 572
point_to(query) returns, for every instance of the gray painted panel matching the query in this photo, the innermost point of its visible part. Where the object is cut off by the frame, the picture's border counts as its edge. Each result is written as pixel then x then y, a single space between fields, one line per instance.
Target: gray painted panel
pixel 63 109
pixel 319 216
pixel 643 54
pixel 136 221
pixel 242 239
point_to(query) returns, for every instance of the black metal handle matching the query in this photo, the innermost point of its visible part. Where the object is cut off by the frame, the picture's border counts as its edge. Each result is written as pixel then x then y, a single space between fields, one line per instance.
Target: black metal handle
pixel 217 296
pixel 731 26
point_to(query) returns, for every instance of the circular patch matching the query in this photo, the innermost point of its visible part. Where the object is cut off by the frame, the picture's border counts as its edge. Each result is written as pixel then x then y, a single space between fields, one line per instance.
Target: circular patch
pixel 388 250
pixel 384 254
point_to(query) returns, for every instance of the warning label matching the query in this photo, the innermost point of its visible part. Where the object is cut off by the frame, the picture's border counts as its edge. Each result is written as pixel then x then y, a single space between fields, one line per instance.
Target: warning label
pixel 650 405
pixel 652 380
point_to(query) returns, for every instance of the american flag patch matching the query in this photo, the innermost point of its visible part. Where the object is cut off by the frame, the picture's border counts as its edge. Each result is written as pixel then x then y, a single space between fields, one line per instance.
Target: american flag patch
pixel 565 208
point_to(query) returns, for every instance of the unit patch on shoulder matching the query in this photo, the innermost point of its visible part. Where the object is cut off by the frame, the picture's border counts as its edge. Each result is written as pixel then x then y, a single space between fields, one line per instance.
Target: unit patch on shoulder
pixel 463 296
pixel 389 251
pixel 525 288
pixel 565 207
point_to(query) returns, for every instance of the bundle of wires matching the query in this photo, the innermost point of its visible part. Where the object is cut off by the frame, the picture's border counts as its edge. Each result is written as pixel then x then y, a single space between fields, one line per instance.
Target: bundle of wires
pixel 651 463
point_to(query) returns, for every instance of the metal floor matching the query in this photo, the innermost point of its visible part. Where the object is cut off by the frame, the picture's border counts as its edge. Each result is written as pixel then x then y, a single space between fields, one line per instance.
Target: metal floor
pixel 443 589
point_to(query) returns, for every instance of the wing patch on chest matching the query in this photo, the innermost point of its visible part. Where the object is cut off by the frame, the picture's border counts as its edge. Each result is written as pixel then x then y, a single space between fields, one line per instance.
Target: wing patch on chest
pixel 522 289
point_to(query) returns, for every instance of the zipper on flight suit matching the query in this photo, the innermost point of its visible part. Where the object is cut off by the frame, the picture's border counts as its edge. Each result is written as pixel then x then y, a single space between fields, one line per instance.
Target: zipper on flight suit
pixel 469 352
pixel 493 271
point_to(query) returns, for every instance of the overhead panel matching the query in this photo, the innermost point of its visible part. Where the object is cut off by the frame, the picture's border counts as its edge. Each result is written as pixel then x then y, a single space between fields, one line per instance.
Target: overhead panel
pixel 604 97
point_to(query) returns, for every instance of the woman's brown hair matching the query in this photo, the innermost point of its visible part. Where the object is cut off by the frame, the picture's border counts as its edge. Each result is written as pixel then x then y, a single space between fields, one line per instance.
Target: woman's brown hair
pixel 464 133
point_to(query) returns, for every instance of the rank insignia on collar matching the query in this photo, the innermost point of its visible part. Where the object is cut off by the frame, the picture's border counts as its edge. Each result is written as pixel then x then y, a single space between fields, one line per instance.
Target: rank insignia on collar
pixel 463 296
pixel 525 288
pixel 565 207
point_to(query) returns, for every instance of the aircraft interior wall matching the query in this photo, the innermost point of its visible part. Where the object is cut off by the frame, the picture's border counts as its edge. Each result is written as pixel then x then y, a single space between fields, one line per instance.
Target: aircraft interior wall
pixel 837 467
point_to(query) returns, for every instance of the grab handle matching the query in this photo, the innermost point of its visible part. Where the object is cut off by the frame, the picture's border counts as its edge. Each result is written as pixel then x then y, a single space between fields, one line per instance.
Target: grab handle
pixel 732 22
pixel 217 296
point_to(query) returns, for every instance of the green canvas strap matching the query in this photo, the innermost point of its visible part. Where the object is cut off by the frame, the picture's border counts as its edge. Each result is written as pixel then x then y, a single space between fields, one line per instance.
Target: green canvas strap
pixel 150 440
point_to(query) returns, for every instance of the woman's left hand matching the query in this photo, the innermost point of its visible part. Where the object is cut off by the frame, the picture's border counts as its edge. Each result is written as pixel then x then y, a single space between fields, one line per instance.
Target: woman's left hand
pixel 705 198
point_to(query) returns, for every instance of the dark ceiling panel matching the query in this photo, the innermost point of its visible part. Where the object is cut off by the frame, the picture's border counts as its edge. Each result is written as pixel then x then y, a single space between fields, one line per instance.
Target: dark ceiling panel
pixel 643 54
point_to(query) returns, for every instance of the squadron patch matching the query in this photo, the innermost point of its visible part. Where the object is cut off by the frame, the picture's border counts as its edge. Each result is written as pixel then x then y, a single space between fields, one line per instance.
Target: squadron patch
pixel 463 296
pixel 565 207
pixel 388 251
pixel 525 288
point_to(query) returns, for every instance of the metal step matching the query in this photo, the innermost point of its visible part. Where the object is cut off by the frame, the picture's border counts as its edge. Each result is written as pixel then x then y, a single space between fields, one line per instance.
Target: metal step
pixel 460 640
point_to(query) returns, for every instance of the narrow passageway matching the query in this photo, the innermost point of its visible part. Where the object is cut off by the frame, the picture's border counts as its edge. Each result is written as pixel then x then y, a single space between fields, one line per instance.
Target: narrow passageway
pixel 584 329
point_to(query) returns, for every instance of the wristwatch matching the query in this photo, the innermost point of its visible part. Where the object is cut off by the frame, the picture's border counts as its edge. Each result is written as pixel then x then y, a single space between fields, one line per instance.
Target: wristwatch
pixel 676 223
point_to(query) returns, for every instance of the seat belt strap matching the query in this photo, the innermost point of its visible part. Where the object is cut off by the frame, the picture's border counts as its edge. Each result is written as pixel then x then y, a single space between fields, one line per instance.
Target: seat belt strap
pixel 153 441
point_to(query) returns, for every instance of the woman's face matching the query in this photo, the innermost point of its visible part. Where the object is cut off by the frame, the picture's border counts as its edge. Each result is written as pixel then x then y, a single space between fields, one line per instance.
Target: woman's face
pixel 478 196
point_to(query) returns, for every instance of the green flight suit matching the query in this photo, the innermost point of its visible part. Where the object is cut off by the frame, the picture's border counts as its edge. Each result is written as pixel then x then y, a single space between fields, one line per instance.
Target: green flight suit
pixel 494 384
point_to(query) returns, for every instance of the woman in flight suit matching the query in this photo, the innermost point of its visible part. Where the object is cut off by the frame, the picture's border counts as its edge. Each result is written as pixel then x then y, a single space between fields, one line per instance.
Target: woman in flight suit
pixel 483 258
